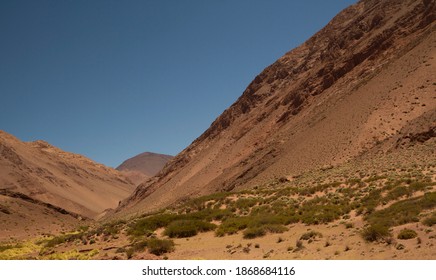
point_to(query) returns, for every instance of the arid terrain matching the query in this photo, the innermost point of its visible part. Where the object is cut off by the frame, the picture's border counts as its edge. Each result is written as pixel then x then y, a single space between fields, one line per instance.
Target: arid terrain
pixel 44 189
pixel 381 207
pixel 330 153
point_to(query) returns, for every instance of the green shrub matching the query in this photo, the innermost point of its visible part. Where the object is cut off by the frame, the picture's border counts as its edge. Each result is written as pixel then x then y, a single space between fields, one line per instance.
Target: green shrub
pixel 246 203
pixel 232 225
pixel 146 226
pixel 149 224
pixel 403 212
pixel 371 201
pixel 139 245
pixel 4 247
pixel 187 228
pixel 259 220
pixel 407 234
pixel 430 221
pixel 299 245
pixel 160 246
pixel 375 232
pixel 349 225
pixel 311 234
pixel 129 253
pixel 251 233
pixel 199 203
pixel 112 228
pixel 63 239
pixel 401 191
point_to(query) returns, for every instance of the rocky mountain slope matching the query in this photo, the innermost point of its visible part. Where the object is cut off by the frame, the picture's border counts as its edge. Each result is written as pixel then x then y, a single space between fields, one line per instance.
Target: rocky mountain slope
pixel 41 176
pixel 143 166
pixel 363 84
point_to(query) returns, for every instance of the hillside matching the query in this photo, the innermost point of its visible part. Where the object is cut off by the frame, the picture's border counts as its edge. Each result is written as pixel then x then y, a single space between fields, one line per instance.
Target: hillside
pixel 378 206
pixel 143 166
pixel 365 79
pixel 41 175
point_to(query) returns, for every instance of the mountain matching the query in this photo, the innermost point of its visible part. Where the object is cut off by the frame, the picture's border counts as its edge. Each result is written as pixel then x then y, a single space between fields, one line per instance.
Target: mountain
pixel 366 78
pixel 41 176
pixel 143 166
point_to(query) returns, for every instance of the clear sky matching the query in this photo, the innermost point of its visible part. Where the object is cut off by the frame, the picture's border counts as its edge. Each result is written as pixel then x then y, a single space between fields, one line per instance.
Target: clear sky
pixel 111 79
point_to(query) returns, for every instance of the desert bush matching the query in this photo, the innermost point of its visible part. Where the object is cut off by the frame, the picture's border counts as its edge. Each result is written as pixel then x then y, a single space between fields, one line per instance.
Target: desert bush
pixel 60 239
pixel 199 203
pixel 375 232
pixel 56 241
pixel 407 234
pixel 160 246
pixel 299 245
pixel 403 212
pixel 245 203
pixel 112 228
pixel 261 210
pixel 259 220
pixel 401 191
pixel 232 225
pixel 149 224
pixel 129 253
pixel 430 221
pixel 254 232
pixel 321 210
pixel 4 247
pixel 370 201
pixel 397 192
pixel 311 234
pixel 187 228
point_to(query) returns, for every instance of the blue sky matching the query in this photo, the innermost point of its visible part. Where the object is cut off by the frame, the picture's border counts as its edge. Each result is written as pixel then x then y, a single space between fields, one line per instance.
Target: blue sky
pixel 111 79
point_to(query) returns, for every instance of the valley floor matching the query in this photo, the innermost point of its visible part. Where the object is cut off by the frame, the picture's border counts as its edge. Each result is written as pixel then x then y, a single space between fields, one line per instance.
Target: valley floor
pixel 379 206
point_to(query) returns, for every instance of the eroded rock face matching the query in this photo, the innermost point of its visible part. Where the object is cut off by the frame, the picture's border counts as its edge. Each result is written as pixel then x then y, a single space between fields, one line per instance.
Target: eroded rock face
pixel 329 100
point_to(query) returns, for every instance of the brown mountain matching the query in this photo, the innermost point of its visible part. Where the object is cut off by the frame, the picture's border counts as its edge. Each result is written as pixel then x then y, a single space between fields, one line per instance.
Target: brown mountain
pixel 366 78
pixel 143 166
pixel 45 178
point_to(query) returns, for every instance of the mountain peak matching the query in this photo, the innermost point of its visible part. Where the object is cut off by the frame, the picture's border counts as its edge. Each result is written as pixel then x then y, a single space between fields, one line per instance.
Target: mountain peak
pixel 143 166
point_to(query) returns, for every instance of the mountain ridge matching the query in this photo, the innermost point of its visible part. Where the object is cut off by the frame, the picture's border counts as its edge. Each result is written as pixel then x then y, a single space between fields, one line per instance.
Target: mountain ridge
pixel 283 122
pixel 70 181
pixel 143 166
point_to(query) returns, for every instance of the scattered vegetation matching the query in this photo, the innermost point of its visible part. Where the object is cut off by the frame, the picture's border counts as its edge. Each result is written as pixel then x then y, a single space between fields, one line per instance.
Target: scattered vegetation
pixel 430 221
pixel 383 201
pixel 403 212
pixel 310 235
pixel 160 246
pixel 375 233
pixel 187 228
pixel 4 247
pixel 250 233
pixel 407 234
